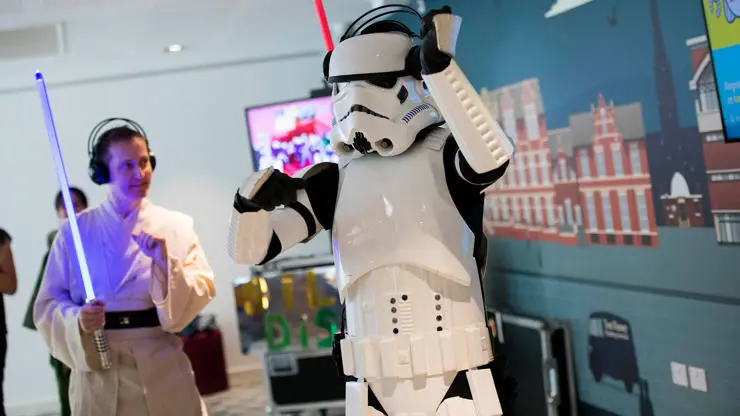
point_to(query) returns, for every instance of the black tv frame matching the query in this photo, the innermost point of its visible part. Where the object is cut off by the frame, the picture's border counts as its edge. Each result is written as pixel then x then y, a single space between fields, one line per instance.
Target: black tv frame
pixel 714 70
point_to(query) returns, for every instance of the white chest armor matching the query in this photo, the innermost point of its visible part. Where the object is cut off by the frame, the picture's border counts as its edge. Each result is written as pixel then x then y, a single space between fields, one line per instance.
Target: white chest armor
pixel 398 211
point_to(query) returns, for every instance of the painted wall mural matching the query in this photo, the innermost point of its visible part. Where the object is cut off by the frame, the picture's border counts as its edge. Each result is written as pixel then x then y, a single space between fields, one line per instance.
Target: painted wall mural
pixel 722 161
pixel 622 202
pixel 562 6
pixel 590 182
pixel 611 349
pixel 611 353
pixel 586 183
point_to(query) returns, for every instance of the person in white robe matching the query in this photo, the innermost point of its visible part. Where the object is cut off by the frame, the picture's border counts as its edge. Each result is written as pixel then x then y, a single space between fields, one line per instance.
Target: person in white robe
pixel 142 258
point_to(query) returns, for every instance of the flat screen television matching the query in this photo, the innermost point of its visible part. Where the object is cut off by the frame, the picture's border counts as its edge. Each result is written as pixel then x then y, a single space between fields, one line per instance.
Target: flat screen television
pixel 291 135
pixel 722 22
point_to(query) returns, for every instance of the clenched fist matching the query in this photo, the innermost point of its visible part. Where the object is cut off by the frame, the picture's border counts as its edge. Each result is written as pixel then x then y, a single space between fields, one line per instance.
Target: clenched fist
pixel 92 317
pixel 267 189
pixel 155 248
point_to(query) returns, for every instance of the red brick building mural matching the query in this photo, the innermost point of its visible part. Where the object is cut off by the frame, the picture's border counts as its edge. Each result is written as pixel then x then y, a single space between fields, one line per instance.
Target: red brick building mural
pixel 613 176
pixel 522 204
pixel 584 184
pixel 722 160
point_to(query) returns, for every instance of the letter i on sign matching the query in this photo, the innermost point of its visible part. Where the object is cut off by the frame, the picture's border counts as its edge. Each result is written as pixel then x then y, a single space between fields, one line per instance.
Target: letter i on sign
pixel 287 283
pixel 315 297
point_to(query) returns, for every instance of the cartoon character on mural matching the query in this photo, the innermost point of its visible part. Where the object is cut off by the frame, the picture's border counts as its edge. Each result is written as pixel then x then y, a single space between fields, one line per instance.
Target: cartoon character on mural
pixel 715 7
pixel 732 9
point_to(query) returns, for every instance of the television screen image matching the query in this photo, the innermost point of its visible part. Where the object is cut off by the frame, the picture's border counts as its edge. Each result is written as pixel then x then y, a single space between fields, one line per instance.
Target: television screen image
pixel 722 19
pixel 291 135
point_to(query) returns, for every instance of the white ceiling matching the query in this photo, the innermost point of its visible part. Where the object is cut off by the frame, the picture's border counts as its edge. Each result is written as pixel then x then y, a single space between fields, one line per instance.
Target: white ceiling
pixel 14 13
pixel 105 38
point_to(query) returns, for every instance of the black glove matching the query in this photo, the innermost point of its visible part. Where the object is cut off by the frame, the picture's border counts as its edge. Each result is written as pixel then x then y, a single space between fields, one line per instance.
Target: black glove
pixel 432 59
pixel 279 189
pixel 427 21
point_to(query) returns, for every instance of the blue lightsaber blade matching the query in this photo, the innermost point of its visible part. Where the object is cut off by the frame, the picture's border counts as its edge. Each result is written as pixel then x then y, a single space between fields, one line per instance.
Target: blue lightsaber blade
pixel 64 185
pixel 101 342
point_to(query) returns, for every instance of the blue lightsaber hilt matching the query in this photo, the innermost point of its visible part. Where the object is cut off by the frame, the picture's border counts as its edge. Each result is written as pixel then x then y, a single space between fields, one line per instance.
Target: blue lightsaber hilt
pixel 101 342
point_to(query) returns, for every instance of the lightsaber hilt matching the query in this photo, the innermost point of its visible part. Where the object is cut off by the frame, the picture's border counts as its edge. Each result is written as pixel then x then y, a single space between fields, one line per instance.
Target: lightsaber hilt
pixel 101 345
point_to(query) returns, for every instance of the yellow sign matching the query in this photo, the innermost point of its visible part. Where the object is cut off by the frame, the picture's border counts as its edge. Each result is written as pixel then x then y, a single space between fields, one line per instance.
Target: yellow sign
pixel 293 308
pixel 255 297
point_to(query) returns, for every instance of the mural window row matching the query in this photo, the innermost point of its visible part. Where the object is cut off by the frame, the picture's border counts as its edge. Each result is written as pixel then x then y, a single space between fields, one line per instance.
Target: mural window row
pixel 634 166
pixel 728 228
pixel 613 206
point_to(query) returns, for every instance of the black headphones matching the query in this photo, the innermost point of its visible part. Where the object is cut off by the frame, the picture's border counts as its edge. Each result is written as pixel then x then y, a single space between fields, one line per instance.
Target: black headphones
pixel 372 25
pixel 98 170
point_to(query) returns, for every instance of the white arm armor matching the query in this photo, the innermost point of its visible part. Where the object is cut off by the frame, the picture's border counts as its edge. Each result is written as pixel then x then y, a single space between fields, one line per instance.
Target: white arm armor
pixel 257 237
pixel 480 138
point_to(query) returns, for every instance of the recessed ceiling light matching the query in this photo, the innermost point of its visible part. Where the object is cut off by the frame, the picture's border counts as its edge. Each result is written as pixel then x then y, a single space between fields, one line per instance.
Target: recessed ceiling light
pixel 174 48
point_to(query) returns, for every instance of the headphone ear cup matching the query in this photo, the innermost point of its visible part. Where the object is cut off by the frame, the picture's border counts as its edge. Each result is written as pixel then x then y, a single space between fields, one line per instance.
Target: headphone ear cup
pixel 327 59
pixel 413 62
pixel 98 172
pixel 153 161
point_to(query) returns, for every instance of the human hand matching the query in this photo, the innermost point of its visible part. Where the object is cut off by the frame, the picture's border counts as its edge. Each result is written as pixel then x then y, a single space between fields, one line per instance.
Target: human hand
pixel 153 247
pixel 91 317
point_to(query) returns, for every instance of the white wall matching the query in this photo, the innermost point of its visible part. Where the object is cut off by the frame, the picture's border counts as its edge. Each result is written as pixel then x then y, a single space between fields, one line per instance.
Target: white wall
pixel 196 125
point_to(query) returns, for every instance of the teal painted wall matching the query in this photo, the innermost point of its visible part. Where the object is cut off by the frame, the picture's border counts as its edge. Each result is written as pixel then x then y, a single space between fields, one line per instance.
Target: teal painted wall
pixel 664 328
pixel 681 297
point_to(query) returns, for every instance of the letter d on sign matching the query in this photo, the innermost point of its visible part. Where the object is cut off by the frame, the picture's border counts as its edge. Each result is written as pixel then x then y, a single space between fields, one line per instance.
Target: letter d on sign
pixel 272 319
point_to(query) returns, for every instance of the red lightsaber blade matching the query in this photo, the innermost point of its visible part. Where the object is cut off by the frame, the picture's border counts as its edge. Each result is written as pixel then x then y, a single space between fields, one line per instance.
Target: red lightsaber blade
pixel 324 25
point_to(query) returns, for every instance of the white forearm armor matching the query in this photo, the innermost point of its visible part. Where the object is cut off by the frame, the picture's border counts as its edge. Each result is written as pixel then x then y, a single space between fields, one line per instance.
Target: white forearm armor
pixel 482 142
pixel 256 237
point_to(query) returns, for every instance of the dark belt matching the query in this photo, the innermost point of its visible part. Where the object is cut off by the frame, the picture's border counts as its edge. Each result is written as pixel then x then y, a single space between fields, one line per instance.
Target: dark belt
pixel 132 319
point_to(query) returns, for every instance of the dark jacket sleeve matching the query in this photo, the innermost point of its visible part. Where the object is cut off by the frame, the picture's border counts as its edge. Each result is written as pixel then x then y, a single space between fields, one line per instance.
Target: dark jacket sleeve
pixel 4 236
pixel 28 319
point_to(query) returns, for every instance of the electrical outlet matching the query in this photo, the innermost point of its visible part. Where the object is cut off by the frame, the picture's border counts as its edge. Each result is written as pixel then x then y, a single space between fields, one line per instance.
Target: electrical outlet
pixel 698 378
pixel 679 375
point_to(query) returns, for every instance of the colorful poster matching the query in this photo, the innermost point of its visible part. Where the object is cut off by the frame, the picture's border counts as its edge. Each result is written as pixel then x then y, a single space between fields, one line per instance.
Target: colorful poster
pixel 723 28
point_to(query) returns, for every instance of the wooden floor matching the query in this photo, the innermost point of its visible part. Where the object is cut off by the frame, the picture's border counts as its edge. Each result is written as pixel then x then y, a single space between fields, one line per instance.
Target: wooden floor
pixel 246 396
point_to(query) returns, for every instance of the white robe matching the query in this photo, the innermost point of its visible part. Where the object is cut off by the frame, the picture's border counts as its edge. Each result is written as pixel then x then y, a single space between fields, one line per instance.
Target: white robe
pixel 150 375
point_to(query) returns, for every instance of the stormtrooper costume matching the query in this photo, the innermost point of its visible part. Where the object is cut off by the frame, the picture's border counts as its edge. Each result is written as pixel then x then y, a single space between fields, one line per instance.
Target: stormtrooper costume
pixel 417 147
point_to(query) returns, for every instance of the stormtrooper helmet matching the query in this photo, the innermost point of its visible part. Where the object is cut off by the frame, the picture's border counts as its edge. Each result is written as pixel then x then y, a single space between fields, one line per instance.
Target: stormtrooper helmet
pixel 379 99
